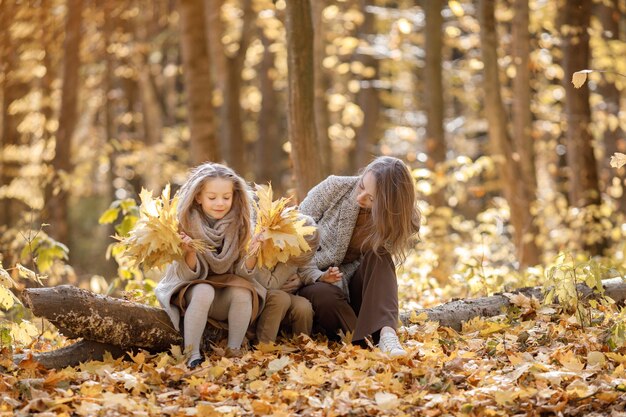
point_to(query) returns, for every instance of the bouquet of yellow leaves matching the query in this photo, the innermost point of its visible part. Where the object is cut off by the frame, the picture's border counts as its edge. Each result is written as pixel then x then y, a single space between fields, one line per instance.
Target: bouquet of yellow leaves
pixel 155 240
pixel 282 231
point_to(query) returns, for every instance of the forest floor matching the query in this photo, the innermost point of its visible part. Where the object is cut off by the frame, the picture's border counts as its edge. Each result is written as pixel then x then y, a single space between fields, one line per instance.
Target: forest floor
pixel 533 360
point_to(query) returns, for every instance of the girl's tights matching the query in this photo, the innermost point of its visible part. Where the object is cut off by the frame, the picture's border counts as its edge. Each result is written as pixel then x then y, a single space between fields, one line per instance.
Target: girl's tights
pixel 230 304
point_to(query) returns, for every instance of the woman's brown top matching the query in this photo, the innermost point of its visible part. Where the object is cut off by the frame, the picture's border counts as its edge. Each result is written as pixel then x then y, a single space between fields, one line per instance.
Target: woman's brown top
pixel 358 242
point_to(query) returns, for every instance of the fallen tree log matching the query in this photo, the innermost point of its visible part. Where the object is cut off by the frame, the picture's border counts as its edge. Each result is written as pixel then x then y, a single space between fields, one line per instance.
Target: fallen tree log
pixel 454 313
pixel 110 321
pixel 73 355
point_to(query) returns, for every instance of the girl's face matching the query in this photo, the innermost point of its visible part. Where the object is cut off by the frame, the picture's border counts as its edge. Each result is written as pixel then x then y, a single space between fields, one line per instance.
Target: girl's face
pixel 367 190
pixel 216 197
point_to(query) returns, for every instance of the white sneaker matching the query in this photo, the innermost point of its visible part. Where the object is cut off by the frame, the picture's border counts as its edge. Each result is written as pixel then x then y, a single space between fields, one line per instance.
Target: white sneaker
pixel 390 345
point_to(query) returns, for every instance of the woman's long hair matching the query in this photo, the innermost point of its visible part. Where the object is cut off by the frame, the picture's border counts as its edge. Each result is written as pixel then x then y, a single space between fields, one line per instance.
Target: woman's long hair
pixel 396 218
pixel 241 199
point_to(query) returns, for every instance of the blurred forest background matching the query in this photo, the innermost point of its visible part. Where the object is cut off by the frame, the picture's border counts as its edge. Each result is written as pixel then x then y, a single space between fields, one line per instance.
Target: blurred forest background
pixel 100 98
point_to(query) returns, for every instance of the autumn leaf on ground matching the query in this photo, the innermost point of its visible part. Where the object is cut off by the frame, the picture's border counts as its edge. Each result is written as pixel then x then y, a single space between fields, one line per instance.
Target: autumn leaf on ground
pixel 618 160
pixel 155 240
pixel 579 77
pixel 281 228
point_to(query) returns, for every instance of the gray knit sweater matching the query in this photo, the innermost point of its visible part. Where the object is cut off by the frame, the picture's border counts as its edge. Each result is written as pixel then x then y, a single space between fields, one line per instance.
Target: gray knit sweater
pixel 332 204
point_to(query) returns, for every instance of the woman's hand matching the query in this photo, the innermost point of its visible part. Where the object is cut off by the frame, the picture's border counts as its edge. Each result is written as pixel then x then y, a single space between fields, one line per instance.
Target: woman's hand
pixel 332 275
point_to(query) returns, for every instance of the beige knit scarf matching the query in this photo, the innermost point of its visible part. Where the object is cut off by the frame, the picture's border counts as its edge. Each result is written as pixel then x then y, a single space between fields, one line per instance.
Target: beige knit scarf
pixel 222 235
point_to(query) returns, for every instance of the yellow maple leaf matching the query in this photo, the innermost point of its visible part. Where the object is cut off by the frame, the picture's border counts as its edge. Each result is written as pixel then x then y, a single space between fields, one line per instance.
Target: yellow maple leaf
pixel 155 240
pixel 579 78
pixel 281 229
pixel 618 160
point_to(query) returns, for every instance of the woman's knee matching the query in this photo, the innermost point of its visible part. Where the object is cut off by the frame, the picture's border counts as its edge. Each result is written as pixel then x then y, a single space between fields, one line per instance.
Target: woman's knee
pixel 322 295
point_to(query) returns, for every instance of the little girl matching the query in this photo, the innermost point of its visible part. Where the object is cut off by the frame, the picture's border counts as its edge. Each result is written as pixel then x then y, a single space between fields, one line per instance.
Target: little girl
pixel 214 206
pixel 282 306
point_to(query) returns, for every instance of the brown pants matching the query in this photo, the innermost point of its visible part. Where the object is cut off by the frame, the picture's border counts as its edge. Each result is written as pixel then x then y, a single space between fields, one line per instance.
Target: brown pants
pixel 290 310
pixel 373 300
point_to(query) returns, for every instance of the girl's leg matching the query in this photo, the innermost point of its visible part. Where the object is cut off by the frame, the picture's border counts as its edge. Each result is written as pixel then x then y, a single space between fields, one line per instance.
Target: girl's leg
pixel 235 305
pixel 199 299
pixel 276 305
pixel 331 309
pixel 374 296
pixel 300 315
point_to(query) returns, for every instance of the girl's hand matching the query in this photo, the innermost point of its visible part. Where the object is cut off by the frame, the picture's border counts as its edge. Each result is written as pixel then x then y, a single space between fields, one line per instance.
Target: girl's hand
pixel 255 243
pixel 332 275
pixel 186 243
pixel 253 249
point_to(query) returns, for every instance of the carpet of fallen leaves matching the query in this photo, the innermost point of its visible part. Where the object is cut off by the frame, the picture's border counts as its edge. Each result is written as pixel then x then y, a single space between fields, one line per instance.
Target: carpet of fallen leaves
pixel 530 361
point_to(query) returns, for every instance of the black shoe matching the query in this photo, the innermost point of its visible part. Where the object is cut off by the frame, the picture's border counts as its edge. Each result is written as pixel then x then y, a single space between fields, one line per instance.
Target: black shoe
pixel 194 363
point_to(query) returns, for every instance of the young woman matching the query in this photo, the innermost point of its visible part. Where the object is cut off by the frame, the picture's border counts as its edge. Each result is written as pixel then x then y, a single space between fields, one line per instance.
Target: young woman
pixel 215 285
pixel 363 222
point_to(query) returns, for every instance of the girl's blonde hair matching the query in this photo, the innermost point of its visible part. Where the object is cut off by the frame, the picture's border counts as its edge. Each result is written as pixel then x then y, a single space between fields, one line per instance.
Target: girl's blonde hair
pixel 200 175
pixel 396 218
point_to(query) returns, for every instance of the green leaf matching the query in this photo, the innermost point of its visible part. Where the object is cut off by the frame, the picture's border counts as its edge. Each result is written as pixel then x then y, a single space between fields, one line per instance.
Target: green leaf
pixel 109 216
pixel 129 206
pixel 126 225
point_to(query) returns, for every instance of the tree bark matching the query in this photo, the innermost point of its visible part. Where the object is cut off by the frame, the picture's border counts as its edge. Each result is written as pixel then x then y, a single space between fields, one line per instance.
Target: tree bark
pixel 522 116
pixel 57 195
pixel 150 106
pixel 368 134
pixel 198 86
pixel 455 313
pixel 321 81
pixel 305 153
pixel 268 146
pixel 435 136
pixel 502 146
pixel 610 15
pixel 73 355
pixel 583 184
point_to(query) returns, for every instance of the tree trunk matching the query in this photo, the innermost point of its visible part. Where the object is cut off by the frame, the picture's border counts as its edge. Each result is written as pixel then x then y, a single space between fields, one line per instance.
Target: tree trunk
pixel 268 146
pixel 229 80
pixel 435 136
pixel 320 78
pixel 502 147
pixel 522 116
pixel 305 153
pixel 114 325
pixel 6 62
pixel 204 146
pixel 609 14
pixel 368 134
pixel 81 313
pixel 455 313
pixel 150 106
pixel 57 195
pixel 583 184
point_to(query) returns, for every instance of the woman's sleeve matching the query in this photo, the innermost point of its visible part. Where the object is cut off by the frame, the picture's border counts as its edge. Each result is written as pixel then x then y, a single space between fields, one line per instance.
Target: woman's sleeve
pixel 275 278
pixel 317 200
pixel 349 269
pixel 310 273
